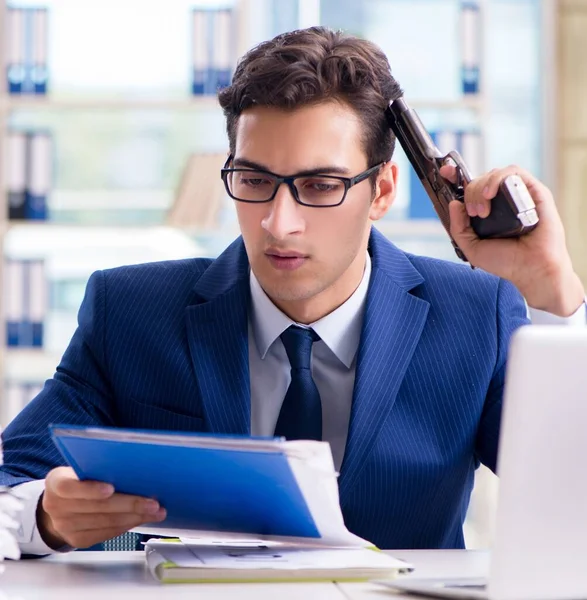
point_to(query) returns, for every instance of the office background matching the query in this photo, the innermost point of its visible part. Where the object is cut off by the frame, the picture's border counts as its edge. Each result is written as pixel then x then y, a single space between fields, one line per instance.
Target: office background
pixel 109 132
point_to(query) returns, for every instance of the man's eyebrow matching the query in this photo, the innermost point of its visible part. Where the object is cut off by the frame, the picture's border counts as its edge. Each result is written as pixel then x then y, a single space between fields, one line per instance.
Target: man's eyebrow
pixel 325 170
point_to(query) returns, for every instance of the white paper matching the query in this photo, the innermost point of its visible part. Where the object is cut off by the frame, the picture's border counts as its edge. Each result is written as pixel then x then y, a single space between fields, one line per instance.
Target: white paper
pixel 272 556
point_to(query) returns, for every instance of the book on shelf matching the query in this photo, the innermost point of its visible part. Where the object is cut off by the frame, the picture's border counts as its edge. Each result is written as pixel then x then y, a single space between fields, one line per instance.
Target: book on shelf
pixel 241 508
pixel 26 43
pixel 29 172
pixel 25 301
pixel 212 50
pixel 200 194
pixel 471 46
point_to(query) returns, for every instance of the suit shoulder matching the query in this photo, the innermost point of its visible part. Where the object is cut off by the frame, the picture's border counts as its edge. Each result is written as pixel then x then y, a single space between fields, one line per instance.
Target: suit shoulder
pixel 436 270
pixel 168 272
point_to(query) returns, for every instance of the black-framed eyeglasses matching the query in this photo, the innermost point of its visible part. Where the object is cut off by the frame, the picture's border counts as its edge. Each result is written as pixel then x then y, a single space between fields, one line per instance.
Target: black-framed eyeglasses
pixel 318 191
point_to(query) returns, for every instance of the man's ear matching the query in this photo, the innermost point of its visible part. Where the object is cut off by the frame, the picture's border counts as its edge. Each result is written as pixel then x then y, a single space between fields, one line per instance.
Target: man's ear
pixel 385 191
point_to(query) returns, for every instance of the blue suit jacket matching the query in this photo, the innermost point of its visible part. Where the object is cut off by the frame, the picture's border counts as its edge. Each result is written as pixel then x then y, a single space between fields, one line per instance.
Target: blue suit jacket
pixel 165 346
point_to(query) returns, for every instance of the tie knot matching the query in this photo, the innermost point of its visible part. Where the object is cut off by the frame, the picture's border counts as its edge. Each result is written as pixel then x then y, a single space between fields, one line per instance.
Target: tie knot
pixel 298 345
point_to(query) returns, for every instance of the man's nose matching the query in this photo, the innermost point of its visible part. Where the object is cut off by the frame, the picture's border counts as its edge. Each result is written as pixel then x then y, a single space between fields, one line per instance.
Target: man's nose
pixel 284 215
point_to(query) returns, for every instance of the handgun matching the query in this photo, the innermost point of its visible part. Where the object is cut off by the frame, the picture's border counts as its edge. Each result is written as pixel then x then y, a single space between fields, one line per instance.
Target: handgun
pixel 513 212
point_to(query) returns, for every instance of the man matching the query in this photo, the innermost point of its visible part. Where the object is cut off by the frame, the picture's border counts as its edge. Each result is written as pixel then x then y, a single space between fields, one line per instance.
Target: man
pixel 408 353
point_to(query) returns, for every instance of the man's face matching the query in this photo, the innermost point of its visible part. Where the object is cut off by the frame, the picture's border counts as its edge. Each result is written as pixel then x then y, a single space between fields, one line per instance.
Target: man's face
pixel 308 260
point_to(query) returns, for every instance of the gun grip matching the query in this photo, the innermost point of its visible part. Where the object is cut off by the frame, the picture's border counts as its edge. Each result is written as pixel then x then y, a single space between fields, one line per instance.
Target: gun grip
pixel 506 219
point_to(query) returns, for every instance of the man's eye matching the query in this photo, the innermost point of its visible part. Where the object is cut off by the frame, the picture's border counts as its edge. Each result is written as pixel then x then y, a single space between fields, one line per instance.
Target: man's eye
pixel 321 186
pixel 254 181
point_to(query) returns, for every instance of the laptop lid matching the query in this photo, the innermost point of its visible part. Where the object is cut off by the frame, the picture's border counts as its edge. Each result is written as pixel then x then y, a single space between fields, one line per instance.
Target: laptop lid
pixel 540 549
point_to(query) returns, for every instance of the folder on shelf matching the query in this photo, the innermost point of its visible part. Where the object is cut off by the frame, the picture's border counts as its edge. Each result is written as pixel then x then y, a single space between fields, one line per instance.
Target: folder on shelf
pixel 227 492
pixel 201 63
pixel 16 173
pixel 38 68
pixel 471 149
pixel 15 50
pixel 199 197
pixel 221 48
pixel 14 301
pixel 472 41
pixel 37 301
pixel 39 174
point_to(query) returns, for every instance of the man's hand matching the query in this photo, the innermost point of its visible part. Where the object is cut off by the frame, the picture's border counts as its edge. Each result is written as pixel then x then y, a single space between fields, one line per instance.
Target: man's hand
pixel 537 263
pixel 83 513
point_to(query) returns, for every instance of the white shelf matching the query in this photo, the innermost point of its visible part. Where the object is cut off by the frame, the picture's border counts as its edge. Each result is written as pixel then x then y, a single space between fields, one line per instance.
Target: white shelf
pixel 14 102
pixel 29 364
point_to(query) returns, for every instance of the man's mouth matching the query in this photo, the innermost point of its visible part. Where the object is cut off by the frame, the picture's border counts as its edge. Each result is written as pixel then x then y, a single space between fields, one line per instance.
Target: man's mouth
pixel 286 260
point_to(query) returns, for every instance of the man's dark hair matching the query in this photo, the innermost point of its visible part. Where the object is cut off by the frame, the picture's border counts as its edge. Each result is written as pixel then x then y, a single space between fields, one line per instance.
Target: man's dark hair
pixel 309 66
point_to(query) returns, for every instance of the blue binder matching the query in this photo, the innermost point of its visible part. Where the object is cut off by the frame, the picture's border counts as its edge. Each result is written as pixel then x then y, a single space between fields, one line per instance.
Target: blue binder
pixel 222 490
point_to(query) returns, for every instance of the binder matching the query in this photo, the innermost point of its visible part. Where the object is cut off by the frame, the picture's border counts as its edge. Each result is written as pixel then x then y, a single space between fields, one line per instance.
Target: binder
pixel 471 148
pixel 25 332
pixel 15 50
pixel 39 174
pixel 16 173
pixel 14 300
pixel 221 48
pixel 236 485
pixel 37 301
pixel 267 493
pixel 471 36
pixel 447 140
pixel 38 67
pixel 201 63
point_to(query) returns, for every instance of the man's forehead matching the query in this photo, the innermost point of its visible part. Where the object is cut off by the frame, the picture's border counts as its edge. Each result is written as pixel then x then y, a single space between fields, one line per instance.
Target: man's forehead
pixel 328 110
pixel 326 133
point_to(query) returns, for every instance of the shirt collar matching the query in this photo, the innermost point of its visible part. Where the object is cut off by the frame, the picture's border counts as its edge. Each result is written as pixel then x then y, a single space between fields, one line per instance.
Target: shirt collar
pixel 340 330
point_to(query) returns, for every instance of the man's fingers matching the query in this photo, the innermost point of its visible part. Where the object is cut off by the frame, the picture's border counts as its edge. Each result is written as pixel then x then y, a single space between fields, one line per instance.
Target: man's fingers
pixel 461 230
pixel 64 483
pixel 449 172
pixel 117 503
pixel 77 523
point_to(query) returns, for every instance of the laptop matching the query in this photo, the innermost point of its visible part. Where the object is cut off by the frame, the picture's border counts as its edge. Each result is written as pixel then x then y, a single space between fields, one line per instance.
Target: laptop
pixel 540 548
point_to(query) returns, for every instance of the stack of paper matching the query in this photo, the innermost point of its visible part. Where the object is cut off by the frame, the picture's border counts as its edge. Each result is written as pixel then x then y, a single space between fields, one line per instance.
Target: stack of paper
pixel 280 497
pixel 209 560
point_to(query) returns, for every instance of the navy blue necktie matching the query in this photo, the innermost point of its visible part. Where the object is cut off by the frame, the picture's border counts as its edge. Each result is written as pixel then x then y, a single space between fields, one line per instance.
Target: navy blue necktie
pixel 301 413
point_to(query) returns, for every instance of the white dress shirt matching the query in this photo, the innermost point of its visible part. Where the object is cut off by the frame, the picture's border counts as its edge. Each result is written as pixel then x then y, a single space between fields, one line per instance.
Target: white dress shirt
pixel 333 362
pixel 333 369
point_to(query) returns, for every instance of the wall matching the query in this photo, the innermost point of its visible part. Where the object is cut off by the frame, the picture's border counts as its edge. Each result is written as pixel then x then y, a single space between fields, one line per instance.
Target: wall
pixel 572 102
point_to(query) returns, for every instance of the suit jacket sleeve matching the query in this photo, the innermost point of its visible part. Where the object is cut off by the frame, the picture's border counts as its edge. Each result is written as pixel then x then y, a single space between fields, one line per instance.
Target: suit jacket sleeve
pixel 510 314
pixel 78 394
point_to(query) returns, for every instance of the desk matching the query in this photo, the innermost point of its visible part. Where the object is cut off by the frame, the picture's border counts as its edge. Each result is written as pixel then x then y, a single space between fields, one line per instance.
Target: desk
pixel 123 575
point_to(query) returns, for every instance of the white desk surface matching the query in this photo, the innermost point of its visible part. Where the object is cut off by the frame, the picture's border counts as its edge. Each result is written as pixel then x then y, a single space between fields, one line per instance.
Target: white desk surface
pixel 123 575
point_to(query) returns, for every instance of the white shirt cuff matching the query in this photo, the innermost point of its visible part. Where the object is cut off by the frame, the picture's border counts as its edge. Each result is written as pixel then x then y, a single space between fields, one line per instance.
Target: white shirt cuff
pixel 27 535
pixel 541 317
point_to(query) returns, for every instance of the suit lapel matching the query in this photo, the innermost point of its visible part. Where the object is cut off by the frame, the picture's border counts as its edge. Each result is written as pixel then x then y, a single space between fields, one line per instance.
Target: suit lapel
pixel 217 329
pixel 393 322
